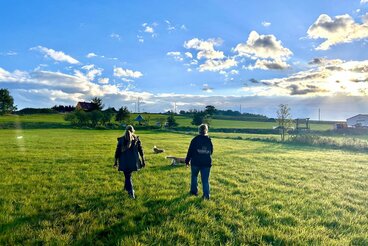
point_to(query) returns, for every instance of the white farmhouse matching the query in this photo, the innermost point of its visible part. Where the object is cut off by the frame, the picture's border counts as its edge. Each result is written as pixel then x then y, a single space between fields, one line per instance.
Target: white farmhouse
pixel 360 120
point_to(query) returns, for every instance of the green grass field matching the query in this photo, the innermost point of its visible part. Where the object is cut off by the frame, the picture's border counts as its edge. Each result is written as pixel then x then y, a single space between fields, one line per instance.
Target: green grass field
pixel 58 187
pixel 58 119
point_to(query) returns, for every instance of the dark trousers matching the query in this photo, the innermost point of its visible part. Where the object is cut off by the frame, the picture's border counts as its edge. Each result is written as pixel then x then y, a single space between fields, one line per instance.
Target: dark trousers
pixel 128 185
pixel 205 174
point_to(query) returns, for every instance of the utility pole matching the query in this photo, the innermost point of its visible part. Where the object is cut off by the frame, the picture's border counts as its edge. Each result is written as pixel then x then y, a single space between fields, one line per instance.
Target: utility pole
pixel 240 109
pixel 174 107
pixel 138 104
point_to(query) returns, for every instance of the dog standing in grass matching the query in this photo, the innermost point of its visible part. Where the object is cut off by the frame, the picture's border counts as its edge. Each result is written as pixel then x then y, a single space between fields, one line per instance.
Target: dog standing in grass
pixel 199 157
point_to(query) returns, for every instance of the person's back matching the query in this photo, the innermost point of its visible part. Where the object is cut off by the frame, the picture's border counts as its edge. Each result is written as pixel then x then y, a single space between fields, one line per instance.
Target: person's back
pixel 200 151
pixel 199 157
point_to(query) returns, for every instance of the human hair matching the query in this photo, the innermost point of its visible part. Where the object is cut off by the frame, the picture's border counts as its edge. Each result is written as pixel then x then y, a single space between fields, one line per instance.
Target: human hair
pixel 128 136
pixel 203 129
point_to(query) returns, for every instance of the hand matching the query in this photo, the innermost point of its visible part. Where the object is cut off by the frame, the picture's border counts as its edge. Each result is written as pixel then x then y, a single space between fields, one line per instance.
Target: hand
pixel 115 164
pixel 187 165
pixel 143 163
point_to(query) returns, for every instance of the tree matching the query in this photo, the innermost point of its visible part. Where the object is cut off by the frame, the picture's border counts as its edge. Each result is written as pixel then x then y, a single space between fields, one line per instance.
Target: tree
pixel 95 116
pixel 82 118
pixel 198 118
pixel 6 102
pixel 122 115
pixel 210 110
pixel 97 103
pixel 284 119
pixel 171 122
pixel 106 117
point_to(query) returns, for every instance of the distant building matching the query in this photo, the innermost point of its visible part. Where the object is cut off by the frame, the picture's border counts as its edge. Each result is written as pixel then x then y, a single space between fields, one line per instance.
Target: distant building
pixel 340 125
pixel 86 106
pixel 140 119
pixel 360 120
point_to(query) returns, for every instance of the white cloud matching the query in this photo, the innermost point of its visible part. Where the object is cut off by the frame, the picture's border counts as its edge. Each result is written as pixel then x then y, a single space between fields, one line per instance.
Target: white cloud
pixel 176 55
pixel 266 23
pixel 269 64
pixel 341 29
pixel 8 53
pixel 170 27
pixel 329 78
pixel 115 36
pixel 92 71
pixel 217 65
pixel 189 55
pixel 363 1
pixel 140 39
pixel 207 88
pixel 121 72
pixel 103 80
pixel 262 46
pixel 206 48
pixel 46 88
pixel 149 29
pixel 234 72
pixel 214 60
pixel 56 55
pixel 90 55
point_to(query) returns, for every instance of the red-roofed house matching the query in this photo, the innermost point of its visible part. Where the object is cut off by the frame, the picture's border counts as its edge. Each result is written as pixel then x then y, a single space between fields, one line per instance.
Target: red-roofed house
pixel 86 106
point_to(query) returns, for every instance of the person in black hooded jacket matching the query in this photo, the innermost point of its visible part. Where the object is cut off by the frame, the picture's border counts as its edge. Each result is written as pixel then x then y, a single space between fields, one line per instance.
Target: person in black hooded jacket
pixel 199 157
pixel 127 157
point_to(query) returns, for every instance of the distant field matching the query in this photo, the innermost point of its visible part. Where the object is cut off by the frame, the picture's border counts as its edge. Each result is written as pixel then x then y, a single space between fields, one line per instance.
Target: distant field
pixel 58 187
pixel 154 118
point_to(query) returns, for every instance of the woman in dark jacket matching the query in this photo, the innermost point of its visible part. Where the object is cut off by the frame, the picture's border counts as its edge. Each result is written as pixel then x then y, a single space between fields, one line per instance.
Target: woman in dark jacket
pixel 199 156
pixel 127 156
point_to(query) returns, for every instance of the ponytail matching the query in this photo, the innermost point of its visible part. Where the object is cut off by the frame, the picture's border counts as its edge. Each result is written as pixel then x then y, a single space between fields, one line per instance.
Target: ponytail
pixel 128 137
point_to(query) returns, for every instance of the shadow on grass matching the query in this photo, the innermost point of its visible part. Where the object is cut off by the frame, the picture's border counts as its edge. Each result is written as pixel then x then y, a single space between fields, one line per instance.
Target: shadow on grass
pixel 130 222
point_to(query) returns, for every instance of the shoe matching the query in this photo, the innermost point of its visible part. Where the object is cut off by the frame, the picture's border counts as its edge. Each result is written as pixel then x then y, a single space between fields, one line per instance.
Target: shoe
pixel 205 197
pixel 193 194
pixel 131 195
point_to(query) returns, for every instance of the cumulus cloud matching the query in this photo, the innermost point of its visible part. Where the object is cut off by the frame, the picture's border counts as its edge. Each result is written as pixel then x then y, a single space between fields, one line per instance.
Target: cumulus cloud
pixel 47 88
pixel 206 48
pixel 329 77
pixel 176 55
pixel 55 55
pixel 217 65
pixel 363 1
pixel 121 72
pixel 269 64
pixel 266 50
pixel 341 29
pixel 262 46
pixel 211 59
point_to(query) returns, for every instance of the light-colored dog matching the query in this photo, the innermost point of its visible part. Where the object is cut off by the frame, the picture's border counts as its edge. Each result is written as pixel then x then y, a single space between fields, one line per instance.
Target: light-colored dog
pixel 157 150
pixel 176 160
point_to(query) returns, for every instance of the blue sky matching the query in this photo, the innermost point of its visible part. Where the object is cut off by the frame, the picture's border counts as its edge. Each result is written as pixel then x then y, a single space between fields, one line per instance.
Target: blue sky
pixel 257 54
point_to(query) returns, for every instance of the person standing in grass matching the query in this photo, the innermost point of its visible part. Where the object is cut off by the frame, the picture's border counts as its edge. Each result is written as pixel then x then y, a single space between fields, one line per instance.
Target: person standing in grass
pixel 199 157
pixel 127 159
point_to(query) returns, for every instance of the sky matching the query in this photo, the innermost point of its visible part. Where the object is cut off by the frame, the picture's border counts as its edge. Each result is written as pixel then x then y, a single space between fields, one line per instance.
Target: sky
pixel 179 55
